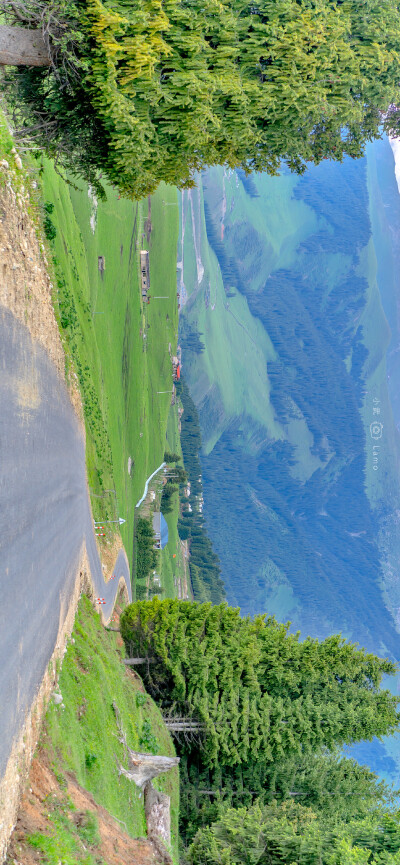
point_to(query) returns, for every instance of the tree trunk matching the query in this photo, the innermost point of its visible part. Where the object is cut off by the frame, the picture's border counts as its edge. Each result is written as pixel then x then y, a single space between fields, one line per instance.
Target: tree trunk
pixel 176 725
pixel 157 810
pixel 133 662
pixel 157 807
pixel 20 46
pixel 143 767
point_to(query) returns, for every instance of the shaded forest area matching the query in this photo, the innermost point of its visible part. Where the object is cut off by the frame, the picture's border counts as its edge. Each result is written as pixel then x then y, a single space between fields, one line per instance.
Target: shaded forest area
pixel 319 532
pixel 204 567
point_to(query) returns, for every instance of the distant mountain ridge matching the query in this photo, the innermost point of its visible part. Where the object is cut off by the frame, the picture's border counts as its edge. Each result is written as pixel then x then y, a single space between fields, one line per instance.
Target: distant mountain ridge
pixel 287 305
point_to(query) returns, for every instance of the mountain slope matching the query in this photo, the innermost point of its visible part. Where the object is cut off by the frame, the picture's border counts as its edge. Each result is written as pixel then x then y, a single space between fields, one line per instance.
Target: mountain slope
pixel 280 280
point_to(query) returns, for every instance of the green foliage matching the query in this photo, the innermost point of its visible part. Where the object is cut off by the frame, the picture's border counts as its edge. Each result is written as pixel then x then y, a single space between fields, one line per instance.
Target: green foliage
pixel 141 591
pixel 256 690
pixel 147 739
pixel 203 562
pixel 146 555
pixel 335 787
pixel 72 311
pixel 151 91
pixel 290 833
pixel 168 492
pixel 49 228
pixel 90 760
pixel 171 458
pixel 177 474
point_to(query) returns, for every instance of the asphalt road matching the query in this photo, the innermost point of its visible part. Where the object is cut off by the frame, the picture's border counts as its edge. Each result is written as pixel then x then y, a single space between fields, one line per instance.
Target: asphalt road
pixel 44 517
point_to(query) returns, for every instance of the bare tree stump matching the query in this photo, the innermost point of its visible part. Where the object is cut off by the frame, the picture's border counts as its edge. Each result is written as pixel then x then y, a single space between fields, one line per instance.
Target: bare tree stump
pixel 143 767
pixel 20 46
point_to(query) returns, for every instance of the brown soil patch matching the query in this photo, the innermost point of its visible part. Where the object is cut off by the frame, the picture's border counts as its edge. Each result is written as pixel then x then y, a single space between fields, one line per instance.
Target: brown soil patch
pixel 43 794
pixel 108 552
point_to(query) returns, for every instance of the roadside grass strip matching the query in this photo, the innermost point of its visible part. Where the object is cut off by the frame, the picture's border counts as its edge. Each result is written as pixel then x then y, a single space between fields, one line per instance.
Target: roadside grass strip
pixel 81 732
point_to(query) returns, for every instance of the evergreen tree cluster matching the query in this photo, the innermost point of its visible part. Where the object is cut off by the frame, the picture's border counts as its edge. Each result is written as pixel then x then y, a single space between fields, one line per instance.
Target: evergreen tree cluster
pixel 169 490
pixel 203 563
pixel 146 555
pixel 332 785
pixel 266 783
pixel 256 691
pixel 151 91
pixel 189 337
pixel 291 834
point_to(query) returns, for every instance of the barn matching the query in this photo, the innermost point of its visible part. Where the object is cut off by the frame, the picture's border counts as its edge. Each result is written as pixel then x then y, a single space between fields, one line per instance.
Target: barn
pixel 160 530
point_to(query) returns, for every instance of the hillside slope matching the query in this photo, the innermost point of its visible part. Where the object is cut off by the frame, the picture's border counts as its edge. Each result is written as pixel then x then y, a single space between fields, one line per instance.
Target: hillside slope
pixel 280 284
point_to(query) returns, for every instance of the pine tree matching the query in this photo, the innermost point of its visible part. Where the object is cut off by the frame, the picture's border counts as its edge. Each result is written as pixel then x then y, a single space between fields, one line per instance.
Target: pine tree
pixel 161 89
pixel 256 690
pixel 335 787
pixel 290 834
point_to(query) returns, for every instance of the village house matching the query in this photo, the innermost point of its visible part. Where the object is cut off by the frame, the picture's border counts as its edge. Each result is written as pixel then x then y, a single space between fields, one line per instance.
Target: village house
pixel 160 530
pixel 145 272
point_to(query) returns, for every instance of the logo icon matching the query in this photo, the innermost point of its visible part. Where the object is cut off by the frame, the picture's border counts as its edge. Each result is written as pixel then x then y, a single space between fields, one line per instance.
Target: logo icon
pixel 376 430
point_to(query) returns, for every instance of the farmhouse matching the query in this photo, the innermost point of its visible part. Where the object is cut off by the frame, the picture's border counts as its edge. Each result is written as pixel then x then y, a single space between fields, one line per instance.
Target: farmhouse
pixel 176 368
pixel 145 271
pixel 160 530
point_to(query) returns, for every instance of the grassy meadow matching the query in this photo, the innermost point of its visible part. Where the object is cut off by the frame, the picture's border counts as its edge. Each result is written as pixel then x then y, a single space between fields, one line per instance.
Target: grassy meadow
pixel 172 559
pixel 264 232
pixel 119 349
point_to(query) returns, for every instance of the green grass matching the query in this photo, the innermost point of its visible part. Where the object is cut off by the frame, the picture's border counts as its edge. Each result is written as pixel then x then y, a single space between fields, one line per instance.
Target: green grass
pixel 224 322
pixel 7 144
pixel 119 350
pixel 82 737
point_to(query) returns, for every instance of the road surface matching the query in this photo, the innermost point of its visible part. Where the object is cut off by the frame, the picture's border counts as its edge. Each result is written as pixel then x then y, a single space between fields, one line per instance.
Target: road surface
pixel 44 518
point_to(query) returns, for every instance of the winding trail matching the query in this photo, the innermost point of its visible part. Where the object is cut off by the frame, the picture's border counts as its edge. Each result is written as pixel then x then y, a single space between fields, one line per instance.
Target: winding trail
pixel 146 486
pixel 45 519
